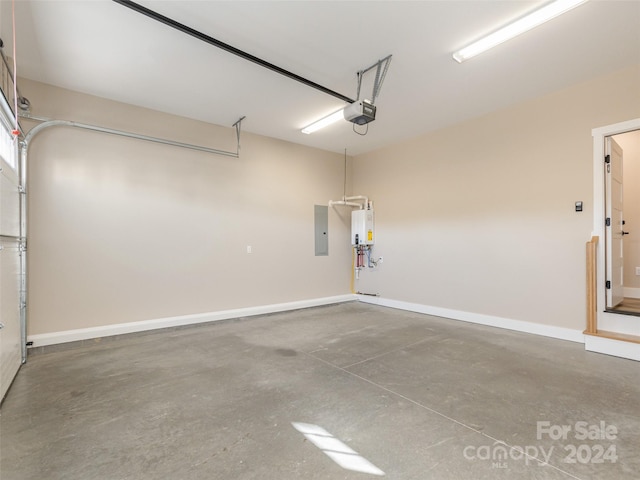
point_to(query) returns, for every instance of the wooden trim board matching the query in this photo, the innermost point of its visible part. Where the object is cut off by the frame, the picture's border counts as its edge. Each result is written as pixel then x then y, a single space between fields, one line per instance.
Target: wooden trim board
pixel 622 337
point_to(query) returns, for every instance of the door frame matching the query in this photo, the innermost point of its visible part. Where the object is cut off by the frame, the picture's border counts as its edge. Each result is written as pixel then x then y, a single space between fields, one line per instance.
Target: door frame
pixel 613 239
pixel 607 320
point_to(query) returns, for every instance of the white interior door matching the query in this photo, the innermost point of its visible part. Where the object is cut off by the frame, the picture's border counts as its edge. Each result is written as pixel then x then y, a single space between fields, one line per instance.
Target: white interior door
pixel 615 224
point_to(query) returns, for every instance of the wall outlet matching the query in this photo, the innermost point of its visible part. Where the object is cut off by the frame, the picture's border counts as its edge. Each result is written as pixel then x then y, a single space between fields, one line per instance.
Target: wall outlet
pixel 381 259
pixel 249 249
pixel 638 271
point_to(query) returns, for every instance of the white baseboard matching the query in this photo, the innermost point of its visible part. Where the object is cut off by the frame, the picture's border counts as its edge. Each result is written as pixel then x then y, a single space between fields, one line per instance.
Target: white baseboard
pixel 44 339
pixel 592 344
pixel 506 323
pixel 609 346
pixel 630 292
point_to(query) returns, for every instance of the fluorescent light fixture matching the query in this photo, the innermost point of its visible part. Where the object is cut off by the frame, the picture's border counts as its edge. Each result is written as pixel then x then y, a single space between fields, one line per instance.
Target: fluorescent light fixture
pixel 514 29
pixel 324 122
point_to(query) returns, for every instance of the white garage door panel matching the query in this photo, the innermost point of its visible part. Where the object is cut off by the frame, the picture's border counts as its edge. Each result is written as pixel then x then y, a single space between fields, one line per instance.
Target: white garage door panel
pixel 9 203
pixel 10 333
pixel 10 352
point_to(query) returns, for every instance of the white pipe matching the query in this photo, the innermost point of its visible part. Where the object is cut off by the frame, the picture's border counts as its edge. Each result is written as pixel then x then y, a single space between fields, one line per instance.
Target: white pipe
pixel 345 201
pixel 359 197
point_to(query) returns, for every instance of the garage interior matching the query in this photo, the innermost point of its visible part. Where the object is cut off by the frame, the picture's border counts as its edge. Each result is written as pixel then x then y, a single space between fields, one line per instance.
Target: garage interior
pixel 193 286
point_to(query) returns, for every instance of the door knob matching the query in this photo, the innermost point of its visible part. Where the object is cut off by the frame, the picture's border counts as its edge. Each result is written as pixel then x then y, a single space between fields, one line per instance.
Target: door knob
pixel 624 233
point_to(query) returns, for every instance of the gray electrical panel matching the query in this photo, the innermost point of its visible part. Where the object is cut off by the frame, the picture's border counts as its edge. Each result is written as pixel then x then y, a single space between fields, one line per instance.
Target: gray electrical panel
pixel 321 223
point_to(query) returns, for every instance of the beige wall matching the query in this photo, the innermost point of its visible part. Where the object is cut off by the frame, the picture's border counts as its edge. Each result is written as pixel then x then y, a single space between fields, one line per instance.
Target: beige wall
pixel 630 143
pixel 123 230
pixel 480 217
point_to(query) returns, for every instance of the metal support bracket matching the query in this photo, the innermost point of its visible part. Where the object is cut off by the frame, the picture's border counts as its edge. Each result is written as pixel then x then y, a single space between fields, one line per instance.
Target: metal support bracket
pixel 381 66
pixel 238 127
pixel 46 123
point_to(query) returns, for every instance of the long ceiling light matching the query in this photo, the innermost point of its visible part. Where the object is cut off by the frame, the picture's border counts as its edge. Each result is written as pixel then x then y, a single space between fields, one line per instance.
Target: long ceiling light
pixel 514 29
pixel 359 113
pixel 324 122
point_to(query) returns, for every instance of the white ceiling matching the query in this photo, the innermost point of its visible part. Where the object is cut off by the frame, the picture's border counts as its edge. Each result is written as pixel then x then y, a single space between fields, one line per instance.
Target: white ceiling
pixel 105 49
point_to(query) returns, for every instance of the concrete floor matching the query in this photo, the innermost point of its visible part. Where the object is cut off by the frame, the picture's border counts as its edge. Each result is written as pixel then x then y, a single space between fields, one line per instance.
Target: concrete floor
pixel 419 397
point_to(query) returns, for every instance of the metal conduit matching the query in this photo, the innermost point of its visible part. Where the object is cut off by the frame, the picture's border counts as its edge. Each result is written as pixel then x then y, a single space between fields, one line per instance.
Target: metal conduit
pixel 67 123
pixel 24 150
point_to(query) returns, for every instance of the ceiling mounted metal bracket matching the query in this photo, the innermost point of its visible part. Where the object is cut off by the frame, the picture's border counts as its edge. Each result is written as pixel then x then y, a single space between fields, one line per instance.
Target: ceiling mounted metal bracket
pixel 381 66
pixel 225 46
pixel 238 127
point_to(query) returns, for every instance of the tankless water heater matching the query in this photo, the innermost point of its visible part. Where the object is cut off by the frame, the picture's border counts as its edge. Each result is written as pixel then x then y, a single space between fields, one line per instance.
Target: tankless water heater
pixel 362 227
